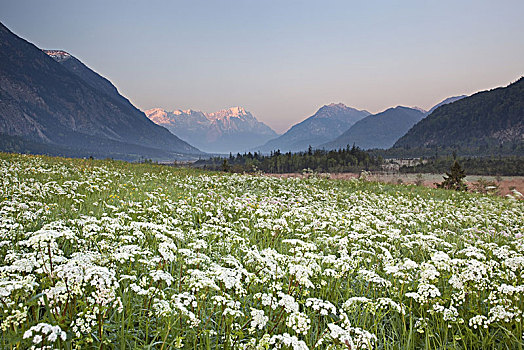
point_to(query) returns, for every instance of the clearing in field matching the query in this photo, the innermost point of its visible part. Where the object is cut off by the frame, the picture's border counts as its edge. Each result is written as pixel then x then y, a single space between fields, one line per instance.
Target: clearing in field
pixel 103 254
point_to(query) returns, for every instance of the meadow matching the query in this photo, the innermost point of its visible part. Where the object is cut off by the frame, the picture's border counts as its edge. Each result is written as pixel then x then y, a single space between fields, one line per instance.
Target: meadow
pixel 112 255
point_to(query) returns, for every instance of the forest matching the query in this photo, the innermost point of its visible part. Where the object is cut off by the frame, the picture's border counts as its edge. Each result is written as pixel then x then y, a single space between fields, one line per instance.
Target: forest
pixel 350 159
pixel 354 160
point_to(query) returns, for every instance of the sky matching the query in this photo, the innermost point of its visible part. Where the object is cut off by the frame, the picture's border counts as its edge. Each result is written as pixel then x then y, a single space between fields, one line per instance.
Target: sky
pixel 282 60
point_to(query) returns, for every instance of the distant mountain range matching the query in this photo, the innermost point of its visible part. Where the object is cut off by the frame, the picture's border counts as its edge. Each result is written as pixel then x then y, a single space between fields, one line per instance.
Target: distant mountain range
pixel 52 103
pixel 380 130
pixel 52 99
pixel 485 119
pixel 325 125
pixel 229 130
pixel 383 129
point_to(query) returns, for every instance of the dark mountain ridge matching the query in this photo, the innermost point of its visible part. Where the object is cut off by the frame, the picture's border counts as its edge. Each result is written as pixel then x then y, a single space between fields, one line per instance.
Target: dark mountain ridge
pixel 66 104
pixel 95 80
pixel 490 118
pixel 445 102
pixel 379 130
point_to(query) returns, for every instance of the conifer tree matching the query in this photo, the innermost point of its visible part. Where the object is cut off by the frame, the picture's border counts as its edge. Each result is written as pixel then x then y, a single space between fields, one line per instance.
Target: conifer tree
pixel 225 165
pixel 454 179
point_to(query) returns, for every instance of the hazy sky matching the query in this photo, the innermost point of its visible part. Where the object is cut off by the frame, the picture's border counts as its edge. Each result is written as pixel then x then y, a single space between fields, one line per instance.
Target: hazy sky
pixel 282 60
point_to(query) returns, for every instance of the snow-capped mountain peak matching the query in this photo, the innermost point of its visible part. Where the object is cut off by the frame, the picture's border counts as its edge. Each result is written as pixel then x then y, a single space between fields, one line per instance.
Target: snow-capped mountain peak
pixel 233 112
pixel 58 55
pixel 158 116
pixel 231 129
pixel 183 111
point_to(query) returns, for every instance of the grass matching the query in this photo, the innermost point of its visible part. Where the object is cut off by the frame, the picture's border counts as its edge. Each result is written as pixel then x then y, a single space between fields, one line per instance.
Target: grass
pixel 142 256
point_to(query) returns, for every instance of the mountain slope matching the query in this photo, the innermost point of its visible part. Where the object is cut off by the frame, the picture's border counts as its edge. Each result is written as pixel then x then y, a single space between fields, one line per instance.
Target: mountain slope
pixel 445 102
pixel 488 118
pixel 45 101
pixel 228 130
pixel 379 130
pixel 89 76
pixel 325 125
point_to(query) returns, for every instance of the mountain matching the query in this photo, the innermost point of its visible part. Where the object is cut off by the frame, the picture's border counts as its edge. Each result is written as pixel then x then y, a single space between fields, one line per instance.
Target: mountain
pixel 419 109
pixel 378 130
pixel 228 130
pixel 53 100
pixel 325 125
pixel 76 67
pixel 445 102
pixel 487 119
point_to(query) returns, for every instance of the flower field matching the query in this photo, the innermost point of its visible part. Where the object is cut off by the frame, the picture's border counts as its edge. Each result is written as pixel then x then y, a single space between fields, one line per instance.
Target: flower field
pixel 111 255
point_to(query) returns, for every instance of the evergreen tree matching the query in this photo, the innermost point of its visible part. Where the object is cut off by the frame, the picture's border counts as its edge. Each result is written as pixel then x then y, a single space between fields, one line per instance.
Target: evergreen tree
pixel 454 179
pixel 225 166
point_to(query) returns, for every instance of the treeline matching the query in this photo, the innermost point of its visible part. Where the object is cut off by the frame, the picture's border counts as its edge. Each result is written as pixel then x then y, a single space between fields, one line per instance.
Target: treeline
pixel 495 166
pixel 335 161
pixel 507 149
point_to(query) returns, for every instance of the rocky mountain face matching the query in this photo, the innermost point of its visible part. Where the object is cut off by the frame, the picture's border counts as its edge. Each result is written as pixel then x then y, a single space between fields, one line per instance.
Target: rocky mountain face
pixel 94 79
pixel 380 130
pixel 486 119
pixel 229 130
pixel 326 124
pixel 51 98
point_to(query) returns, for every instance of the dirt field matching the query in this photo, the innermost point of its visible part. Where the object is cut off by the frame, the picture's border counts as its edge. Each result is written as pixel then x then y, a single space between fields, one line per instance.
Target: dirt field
pixel 505 183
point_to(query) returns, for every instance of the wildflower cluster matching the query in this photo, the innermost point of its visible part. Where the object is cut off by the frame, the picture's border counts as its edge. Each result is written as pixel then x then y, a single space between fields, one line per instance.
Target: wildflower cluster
pixel 99 253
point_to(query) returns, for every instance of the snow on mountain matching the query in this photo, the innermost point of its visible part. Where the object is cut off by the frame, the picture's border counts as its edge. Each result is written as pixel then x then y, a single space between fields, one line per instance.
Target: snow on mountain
pixel 229 130
pixel 58 55
pixel 233 112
